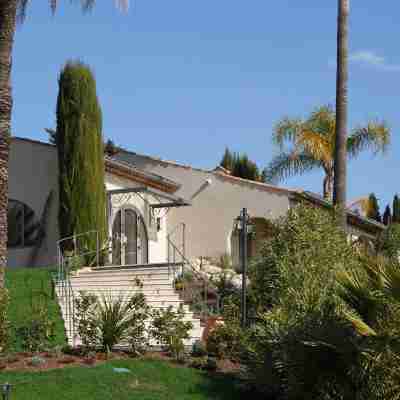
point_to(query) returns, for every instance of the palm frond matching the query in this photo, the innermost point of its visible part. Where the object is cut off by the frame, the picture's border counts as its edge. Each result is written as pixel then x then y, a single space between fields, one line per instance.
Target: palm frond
pixel 375 136
pixel 86 5
pixel 323 122
pixel 355 290
pixel 287 130
pixel 391 276
pixel 289 164
pixel 315 144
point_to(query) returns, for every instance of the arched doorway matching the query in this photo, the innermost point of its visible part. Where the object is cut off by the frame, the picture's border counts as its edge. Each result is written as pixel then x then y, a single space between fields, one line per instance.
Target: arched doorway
pixel 130 241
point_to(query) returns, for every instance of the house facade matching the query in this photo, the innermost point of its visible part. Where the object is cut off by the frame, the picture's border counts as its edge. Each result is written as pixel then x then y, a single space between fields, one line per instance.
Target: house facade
pixel 156 208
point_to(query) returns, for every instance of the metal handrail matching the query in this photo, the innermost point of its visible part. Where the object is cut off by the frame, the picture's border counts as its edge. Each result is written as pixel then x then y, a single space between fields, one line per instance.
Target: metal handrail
pixel 187 263
pixel 63 276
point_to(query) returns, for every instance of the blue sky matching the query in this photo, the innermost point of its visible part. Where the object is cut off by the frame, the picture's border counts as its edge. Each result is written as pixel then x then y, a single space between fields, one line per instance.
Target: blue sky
pixel 182 79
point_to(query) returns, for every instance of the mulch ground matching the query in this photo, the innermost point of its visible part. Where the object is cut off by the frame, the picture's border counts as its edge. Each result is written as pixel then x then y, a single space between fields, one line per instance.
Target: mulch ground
pixel 26 361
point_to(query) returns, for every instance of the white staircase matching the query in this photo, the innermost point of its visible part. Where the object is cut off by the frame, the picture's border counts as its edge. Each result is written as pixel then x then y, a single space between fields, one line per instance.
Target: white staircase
pixel 156 284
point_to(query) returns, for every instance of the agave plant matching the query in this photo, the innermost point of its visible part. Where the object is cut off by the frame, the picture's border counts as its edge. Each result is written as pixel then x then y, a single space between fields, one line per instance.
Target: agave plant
pixel 118 316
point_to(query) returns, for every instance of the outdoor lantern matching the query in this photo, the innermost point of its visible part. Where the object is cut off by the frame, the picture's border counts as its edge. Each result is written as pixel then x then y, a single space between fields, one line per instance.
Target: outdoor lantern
pixel 244 226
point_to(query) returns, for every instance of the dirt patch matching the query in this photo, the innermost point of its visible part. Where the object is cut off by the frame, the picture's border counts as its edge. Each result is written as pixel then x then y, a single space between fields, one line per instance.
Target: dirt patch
pixel 26 361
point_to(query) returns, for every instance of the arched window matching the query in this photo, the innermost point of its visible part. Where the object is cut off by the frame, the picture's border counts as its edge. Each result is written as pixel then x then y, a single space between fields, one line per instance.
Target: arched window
pixel 23 227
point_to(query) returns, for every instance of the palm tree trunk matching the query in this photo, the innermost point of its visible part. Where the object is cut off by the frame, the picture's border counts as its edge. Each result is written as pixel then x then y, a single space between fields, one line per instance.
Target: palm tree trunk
pixel 8 9
pixel 340 173
pixel 328 185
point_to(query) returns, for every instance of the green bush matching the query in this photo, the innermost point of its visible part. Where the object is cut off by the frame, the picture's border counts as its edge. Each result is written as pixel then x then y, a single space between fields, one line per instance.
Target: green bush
pixel 86 319
pixel 4 321
pixel 199 349
pixel 169 328
pixel 227 340
pixel 303 345
pixel 106 321
pixel 389 242
pixel 38 332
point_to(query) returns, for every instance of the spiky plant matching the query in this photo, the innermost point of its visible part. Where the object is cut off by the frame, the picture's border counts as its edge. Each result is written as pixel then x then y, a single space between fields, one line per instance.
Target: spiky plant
pixel 312 145
pixel 373 296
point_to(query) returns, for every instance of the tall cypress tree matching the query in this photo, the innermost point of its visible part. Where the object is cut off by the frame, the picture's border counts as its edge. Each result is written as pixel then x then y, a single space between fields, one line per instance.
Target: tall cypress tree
pixel 373 208
pixel 227 160
pixel 80 155
pixel 396 210
pixel 387 216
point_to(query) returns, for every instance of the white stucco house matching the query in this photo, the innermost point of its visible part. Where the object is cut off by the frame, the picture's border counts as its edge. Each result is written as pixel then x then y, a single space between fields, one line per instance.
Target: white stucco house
pixel 162 217
pixel 148 199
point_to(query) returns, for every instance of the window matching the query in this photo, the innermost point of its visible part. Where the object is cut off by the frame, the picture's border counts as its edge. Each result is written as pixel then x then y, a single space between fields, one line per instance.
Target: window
pixel 23 227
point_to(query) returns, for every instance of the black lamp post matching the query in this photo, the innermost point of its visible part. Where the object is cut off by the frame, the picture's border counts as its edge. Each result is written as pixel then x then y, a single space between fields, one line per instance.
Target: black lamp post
pixel 243 225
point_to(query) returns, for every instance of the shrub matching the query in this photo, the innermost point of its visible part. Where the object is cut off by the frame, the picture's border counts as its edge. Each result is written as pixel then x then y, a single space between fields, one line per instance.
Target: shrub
pixel 4 322
pixel 389 242
pixel 303 345
pixel 199 349
pixel 211 364
pixel 170 329
pixel 199 362
pixel 226 340
pixel 106 321
pixel 36 361
pixel 38 332
pixel 86 320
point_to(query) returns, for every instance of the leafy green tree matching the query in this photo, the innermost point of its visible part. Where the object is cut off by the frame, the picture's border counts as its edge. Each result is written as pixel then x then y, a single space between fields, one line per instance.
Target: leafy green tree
pixel 312 145
pixel 396 210
pixel 387 216
pixel 80 155
pixel 373 208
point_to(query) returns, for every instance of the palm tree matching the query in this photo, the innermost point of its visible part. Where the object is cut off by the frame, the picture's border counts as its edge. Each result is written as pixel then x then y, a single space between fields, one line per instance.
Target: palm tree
pixel 313 145
pixel 10 11
pixel 340 164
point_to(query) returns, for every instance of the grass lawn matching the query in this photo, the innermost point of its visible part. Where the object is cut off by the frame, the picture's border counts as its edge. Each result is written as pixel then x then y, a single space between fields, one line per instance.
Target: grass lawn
pixel 27 285
pixel 148 380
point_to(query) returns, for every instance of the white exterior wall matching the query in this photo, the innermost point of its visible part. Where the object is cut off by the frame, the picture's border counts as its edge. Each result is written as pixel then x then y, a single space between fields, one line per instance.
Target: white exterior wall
pixel 157 249
pixel 209 220
pixel 32 175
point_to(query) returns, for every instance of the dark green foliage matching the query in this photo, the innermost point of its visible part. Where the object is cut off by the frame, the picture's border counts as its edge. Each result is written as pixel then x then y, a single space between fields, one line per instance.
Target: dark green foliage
pixel 227 160
pixel 291 259
pixel 387 216
pixel 110 148
pixel 80 155
pixel 302 345
pixel 396 210
pixel 199 349
pixel 240 165
pixel 389 242
pixel 373 208
pixel 245 168
pixel 52 135
pixel 226 340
